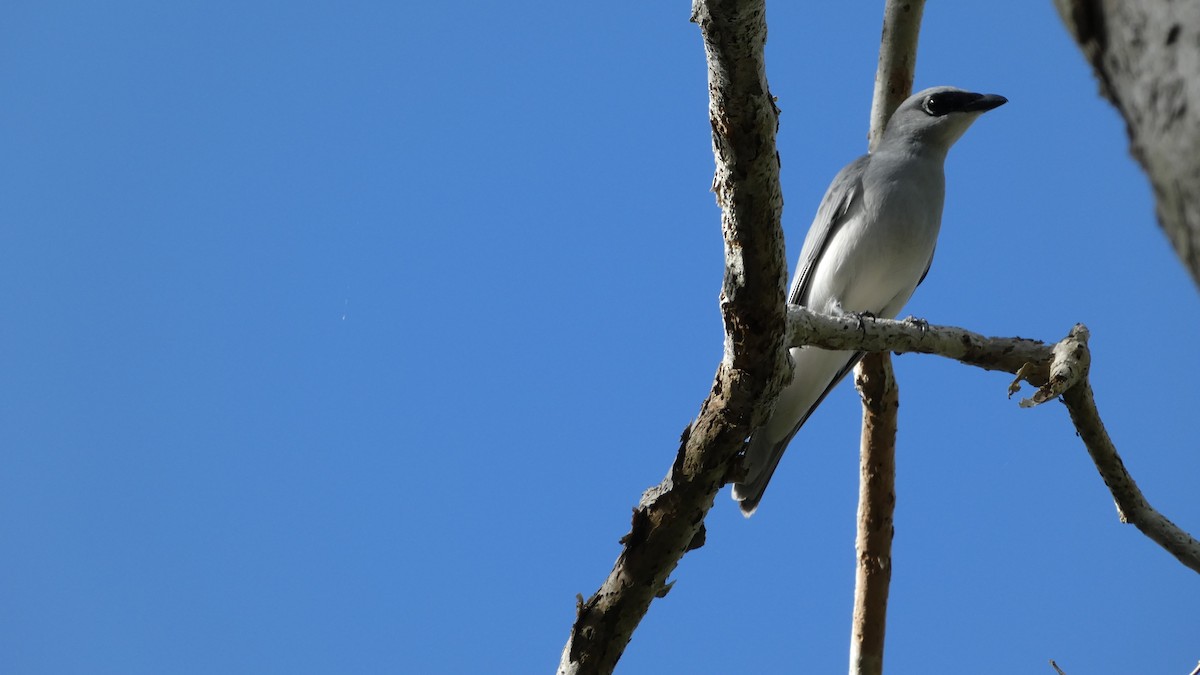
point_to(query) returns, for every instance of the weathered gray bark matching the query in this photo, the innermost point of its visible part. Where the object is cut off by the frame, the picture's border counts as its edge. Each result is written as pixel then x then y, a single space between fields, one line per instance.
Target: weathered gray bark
pixel 669 519
pixel 1146 56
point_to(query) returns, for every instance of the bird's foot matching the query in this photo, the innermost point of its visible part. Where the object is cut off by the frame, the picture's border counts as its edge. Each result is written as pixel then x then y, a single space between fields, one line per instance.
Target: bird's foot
pixel 861 317
pixel 921 324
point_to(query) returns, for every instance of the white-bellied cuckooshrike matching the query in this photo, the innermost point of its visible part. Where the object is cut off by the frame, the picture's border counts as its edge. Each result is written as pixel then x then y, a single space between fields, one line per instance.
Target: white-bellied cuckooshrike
pixel 868 248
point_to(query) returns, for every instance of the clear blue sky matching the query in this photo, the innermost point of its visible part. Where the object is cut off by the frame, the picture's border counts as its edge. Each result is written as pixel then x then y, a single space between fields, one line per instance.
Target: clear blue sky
pixel 342 337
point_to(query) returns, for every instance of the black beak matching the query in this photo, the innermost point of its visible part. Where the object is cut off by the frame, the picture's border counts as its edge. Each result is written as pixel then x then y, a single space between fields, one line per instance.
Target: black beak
pixel 984 102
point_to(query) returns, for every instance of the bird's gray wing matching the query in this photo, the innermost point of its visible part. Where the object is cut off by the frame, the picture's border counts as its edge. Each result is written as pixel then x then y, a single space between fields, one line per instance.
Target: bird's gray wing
pixel 836 206
pixel 845 189
pixel 843 192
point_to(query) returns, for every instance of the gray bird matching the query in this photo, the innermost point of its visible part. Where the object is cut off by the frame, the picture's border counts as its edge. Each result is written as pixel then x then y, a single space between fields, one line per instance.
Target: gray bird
pixel 868 248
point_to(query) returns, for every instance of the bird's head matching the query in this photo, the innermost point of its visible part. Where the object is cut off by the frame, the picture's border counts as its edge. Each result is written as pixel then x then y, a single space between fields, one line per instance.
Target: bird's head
pixel 937 117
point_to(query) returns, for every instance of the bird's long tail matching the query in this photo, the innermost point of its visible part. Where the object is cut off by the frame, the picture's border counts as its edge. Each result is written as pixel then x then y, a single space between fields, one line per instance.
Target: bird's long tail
pixel 767 455
pixel 817 373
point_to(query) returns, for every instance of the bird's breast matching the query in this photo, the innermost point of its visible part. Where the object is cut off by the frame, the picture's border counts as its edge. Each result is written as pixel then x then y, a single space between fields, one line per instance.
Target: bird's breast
pixel 885 245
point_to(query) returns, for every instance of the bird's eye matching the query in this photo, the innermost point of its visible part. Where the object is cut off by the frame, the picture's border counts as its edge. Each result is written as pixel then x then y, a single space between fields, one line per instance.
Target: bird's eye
pixel 934 106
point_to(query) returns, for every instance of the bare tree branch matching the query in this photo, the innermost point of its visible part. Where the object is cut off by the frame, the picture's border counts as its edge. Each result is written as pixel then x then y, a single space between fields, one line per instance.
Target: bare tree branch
pixel 897 62
pixel 806 327
pixel 1059 371
pixel 1132 506
pixel 876 505
pixel 669 519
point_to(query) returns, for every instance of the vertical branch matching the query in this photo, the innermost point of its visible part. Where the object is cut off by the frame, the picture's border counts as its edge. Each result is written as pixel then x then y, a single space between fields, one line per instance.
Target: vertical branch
pixel 876 504
pixel 897 62
pixel 876 382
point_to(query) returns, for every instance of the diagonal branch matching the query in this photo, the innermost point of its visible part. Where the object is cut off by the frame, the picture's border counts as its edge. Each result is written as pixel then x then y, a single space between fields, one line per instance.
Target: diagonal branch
pixel 1132 506
pixel 669 519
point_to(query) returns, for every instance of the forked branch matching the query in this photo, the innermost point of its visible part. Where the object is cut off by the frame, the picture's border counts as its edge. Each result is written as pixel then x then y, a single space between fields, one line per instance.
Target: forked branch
pixel 1058 371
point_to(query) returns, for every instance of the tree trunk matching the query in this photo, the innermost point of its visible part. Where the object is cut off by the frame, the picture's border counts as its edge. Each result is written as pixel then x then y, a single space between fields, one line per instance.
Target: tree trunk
pixel 1146 56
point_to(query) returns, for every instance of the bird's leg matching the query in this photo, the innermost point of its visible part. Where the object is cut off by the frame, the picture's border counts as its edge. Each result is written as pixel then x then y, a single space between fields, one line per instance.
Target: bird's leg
pixel 836 309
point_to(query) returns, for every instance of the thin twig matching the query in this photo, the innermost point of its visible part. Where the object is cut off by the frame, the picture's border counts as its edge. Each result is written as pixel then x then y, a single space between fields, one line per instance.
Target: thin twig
pixel 1132 506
